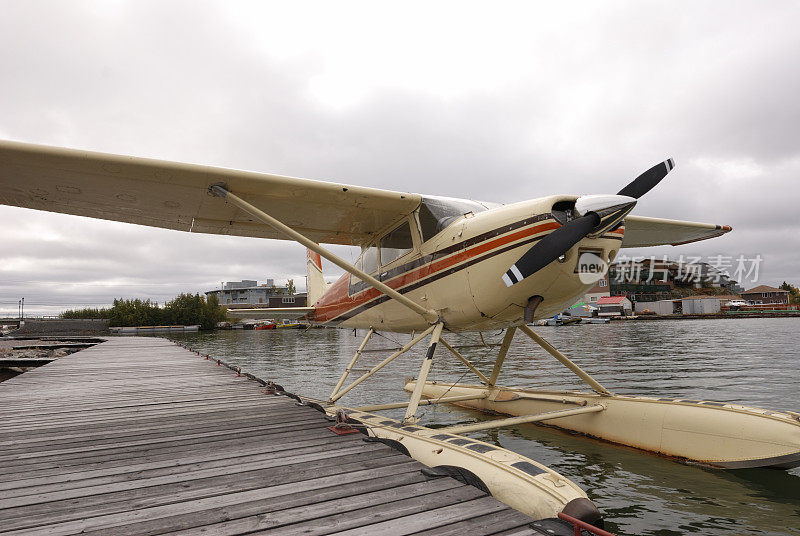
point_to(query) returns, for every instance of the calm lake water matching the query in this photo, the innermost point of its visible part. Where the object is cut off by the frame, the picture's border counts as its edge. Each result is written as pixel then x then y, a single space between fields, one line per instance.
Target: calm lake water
pixel 748 361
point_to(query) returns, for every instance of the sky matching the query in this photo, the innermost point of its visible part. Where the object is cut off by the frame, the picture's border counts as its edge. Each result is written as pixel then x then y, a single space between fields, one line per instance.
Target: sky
pixel 500 101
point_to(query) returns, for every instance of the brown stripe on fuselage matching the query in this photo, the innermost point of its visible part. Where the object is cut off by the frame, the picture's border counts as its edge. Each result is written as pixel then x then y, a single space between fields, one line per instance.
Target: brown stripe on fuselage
pixel 355 288
pixel 429 268
pixel 436 266
pixel 382 298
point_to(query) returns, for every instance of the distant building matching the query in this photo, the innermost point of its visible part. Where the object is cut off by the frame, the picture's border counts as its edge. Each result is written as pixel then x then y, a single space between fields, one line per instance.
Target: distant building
pixel 654 279
pixel 700 305
pixel 614 306
pixel 248 293
pixel 647 280
pixel 764 294
pixel 600 289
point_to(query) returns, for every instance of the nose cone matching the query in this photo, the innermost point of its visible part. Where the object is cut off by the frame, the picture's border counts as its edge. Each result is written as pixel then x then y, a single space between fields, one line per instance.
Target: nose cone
pixel 604 204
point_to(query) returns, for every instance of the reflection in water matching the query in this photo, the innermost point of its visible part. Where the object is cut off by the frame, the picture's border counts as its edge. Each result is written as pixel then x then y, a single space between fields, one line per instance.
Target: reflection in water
pixel 750 361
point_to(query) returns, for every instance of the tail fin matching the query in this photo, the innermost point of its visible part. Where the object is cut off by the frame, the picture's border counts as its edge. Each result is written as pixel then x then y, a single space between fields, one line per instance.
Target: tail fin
pixel 315 286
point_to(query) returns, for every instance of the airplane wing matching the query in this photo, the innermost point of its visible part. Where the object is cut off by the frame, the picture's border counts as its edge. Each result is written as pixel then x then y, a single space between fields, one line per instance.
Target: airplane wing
pixel 175 195
pixel 270 312
pixel 642 231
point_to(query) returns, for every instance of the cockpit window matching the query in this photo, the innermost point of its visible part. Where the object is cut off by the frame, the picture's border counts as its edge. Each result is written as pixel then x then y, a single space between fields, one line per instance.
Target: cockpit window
pixel 369 259
pixel 396 244
pixel 436 213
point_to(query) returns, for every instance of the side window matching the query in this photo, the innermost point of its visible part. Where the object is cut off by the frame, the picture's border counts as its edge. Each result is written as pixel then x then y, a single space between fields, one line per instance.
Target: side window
pixel 369 259
pixel 354 281
pixel 396 244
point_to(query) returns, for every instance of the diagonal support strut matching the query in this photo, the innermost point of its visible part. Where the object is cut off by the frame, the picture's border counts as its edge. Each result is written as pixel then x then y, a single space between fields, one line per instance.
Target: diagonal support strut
pixel 219 190
pixel 423 374
pixel 579 372
pixel 383 363
pixel 513 421
pixel 352 362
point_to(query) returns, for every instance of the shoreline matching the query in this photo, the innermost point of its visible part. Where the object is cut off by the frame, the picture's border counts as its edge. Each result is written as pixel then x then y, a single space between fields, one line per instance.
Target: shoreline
pixel 795 314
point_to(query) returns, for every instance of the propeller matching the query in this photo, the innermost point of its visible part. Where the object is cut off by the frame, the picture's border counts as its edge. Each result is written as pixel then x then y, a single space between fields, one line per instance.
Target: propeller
pixel 647 180
pixel 592 211
pixel 551 247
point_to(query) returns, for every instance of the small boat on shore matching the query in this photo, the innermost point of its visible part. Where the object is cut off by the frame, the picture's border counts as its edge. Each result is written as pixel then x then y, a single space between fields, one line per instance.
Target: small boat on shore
pixel 143 330
pixel 596 320
pixel 289 325
pixel 560 320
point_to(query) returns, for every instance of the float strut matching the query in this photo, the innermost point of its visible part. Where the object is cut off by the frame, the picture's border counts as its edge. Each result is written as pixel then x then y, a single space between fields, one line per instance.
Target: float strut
pixel 501 356
pixel 383 363
pixel 591 382
pixel 423 374
pixel 352 363
pixel 513 421
pixel 464 360
pixel 426 402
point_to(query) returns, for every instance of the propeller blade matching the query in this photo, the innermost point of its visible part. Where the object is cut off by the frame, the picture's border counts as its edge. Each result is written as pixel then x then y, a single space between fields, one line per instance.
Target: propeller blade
pixel 595 209
pixel 550 248
pixel 647 180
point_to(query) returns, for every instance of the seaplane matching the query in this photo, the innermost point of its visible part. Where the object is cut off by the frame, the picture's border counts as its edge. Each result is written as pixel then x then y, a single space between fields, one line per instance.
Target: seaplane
pixel 433 266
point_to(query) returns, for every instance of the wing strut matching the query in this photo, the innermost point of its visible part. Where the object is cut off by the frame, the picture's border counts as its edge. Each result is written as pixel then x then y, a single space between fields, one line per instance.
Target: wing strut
pixel 219 190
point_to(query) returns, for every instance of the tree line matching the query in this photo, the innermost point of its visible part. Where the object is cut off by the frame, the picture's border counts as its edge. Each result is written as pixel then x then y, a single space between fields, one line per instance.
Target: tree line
pixel 794 292
pixel 186 309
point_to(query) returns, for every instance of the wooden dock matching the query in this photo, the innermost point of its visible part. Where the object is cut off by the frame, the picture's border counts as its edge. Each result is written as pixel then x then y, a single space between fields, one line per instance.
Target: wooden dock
pixel 140 436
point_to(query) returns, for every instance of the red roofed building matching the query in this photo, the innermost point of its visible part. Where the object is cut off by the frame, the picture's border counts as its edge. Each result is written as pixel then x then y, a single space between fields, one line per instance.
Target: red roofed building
pixel 614 306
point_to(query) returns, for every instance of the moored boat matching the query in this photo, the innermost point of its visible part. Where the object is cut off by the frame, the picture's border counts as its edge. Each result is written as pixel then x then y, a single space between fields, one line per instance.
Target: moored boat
pixel 289 325
pixel 560 320
pixel 142 330
pixel 596 320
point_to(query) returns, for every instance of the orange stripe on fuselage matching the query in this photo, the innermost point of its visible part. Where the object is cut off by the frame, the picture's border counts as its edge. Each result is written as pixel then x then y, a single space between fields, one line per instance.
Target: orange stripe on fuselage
pixel 340 302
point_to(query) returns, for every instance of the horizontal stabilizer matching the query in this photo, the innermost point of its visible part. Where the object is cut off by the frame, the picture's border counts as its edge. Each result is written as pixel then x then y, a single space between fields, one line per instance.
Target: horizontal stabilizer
pixel 641 231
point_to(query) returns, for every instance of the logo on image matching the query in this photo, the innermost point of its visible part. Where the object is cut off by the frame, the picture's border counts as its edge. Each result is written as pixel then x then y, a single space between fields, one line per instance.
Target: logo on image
pixel 591 267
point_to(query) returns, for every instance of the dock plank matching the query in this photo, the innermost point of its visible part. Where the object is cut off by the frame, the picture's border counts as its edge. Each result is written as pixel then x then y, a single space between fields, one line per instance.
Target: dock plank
pixel 137 435
pixel 111 465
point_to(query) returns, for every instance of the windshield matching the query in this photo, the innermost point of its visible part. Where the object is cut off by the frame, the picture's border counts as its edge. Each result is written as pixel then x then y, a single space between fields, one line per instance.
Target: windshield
pixel 436 213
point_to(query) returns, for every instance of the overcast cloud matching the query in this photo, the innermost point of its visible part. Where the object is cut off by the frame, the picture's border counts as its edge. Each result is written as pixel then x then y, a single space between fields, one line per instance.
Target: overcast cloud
pixel 492 101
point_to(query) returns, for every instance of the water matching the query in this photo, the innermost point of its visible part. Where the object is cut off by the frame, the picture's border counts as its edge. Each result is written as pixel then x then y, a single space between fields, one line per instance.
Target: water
pixel 749 361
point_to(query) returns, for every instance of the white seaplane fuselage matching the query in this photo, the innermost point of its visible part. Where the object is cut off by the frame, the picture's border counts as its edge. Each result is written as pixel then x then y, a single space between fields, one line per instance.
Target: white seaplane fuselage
pixel 457 273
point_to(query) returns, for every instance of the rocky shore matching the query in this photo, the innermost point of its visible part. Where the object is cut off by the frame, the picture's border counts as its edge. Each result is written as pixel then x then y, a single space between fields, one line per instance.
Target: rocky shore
pixel 36 349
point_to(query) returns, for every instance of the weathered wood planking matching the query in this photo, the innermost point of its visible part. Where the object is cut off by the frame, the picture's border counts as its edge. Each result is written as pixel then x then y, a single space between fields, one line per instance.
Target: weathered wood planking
pixel 139 436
